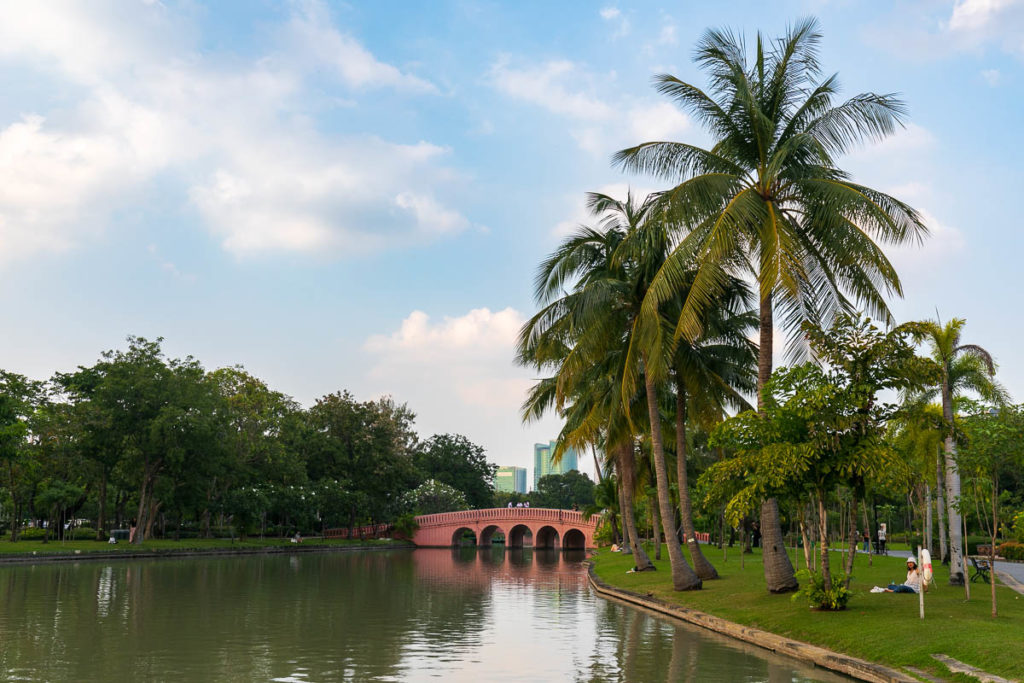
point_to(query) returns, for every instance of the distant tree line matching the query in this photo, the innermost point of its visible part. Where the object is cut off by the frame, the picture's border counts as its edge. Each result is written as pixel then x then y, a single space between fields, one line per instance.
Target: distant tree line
pixel 176 450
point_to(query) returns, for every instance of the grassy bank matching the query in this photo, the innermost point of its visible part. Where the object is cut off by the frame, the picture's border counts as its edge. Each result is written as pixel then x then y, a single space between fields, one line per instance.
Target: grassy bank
pixel 880 627
pixel 56 548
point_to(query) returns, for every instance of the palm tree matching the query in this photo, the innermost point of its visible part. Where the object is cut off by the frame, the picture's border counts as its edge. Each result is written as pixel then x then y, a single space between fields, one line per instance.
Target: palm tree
pixel 580 335
pixel 710 376
pixel 768 195
pixel 964 367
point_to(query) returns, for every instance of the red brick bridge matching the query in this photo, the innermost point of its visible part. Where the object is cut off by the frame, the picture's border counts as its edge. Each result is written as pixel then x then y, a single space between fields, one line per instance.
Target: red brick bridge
pixel 537 527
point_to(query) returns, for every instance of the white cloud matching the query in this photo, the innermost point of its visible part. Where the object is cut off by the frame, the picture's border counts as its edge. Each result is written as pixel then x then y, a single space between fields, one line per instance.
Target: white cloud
pixel 457 374
pixel 554 86
pixel 991 76
pixel 614 16
pixel 929 258
pixel 973 15
pixel 312 33
pixel 261 176
pixel 597 125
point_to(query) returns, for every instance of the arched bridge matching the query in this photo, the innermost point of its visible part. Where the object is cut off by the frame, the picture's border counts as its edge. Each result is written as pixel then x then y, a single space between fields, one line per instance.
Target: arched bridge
pixel 537 527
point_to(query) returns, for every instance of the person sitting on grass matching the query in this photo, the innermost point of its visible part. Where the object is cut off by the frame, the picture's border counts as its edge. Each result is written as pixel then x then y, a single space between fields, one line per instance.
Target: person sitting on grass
pixel 911 585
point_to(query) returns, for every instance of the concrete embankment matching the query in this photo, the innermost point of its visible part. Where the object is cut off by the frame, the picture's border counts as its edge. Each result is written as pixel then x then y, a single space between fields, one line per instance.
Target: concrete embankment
pixel 827 659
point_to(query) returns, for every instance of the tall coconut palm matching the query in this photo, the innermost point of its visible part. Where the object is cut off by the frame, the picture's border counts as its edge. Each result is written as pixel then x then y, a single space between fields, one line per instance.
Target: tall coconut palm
pixel 581 335
pixel 964 368
pixel 768 190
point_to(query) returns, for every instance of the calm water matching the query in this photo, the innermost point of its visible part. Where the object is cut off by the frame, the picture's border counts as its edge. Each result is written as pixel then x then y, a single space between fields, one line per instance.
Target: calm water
pixel 455 615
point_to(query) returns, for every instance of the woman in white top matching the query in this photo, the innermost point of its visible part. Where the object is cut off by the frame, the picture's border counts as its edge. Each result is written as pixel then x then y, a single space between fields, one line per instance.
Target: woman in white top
pixel 913 582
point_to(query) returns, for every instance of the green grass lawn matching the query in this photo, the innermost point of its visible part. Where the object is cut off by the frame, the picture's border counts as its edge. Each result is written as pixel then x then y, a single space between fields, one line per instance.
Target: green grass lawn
pixel 169 546
pixel 881 627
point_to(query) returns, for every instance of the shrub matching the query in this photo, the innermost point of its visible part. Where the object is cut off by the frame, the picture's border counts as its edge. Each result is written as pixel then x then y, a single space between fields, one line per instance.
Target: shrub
pixel 1011 550
pixel 406 525
pixel 974 541
pixel 82 533
pixel 32 534
pixel 812 588
pixel 1018 526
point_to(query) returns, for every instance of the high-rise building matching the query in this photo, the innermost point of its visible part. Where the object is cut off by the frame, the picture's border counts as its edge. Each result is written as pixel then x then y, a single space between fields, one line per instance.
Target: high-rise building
pixel 510 479
pixel 542 465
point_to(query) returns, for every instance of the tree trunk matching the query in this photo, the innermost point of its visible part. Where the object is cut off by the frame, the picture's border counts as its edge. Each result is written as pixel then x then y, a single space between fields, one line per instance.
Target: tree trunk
pixel 940 506
pixel 928 518
pixel 778 570
pixel 956 576
pixel 807 543
pixel 597 465
pixel 627 465
pixel 826 573
pixel 655 529
pixel 683 577
pixel 625 546
pixel 703 568
pixel 867 527
pixel 992 548
pixel 140 519
pixel 854 540
pixel 101 520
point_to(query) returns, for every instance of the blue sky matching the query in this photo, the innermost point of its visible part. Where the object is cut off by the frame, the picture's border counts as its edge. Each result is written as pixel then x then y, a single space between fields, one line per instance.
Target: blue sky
pixel 355 196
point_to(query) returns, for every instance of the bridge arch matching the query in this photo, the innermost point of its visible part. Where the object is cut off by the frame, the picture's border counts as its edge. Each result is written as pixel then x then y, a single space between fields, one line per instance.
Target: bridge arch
pixel 488 533
pixel 519 536
pixel 459 536
pixel 546 537
pixel 574 540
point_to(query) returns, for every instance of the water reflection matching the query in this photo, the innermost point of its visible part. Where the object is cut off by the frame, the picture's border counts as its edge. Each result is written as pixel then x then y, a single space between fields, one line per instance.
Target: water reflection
pixel 461 614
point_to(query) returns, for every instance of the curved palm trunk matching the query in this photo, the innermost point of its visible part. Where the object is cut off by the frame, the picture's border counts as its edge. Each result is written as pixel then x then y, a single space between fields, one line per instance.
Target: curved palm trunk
pixel 655 529
pixel 956 561
pixel 627 466
pixel 704 569
pixel 626 548
pixel 778 570
pixel 683 577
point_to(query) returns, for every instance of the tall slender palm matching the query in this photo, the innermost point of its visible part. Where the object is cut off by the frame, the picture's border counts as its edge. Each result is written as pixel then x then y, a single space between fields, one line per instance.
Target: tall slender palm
pixel 710 376
pixel 580 335
pixel 768 190
pixel 964 367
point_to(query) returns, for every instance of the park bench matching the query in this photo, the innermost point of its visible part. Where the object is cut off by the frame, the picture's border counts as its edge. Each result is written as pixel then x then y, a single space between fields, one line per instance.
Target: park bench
pixel 982 568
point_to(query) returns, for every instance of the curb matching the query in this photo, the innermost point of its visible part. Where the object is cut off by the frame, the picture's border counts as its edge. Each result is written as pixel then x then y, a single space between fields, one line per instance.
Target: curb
pixel 196 552
pixel 860 669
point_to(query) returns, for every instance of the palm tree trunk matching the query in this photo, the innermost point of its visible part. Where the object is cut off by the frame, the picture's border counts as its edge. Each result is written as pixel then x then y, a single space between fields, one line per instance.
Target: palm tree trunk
pixel 626 548
pixel 778 570
pixel 940 505
pixel 956 575
pixel 704 569
pixel 683 577
pixel 655 529
pixel 627 465
pixel 928 518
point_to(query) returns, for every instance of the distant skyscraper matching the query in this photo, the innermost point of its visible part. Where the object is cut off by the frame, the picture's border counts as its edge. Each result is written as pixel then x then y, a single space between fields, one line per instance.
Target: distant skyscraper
pixel 542 465
pixel 510 479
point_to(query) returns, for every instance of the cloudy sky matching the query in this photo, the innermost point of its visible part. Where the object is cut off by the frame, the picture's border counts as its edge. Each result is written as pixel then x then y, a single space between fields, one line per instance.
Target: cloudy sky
pixel 356 195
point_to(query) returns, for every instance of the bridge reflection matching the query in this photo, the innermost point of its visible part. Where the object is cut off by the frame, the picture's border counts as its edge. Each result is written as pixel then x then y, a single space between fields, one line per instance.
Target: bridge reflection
pixel 472 567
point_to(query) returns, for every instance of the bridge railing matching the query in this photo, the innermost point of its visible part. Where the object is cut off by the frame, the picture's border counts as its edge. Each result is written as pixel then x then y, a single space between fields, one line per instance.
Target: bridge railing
pixel 370 531
pixel 507 514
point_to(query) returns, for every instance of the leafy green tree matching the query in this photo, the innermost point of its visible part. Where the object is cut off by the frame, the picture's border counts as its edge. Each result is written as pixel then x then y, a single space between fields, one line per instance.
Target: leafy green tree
pixel 963 368
pixel 769 197
pixel 432 497
pixel 562 491
pixel 820 427
pixel 455 460
pixel 19 398
pixel 994 447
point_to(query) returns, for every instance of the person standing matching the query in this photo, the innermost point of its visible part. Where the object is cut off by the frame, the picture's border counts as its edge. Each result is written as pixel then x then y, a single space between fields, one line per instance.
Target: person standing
pixel 881 539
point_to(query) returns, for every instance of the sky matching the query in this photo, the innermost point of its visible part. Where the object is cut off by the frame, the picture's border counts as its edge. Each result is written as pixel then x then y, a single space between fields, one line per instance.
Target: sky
pixel 355 196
